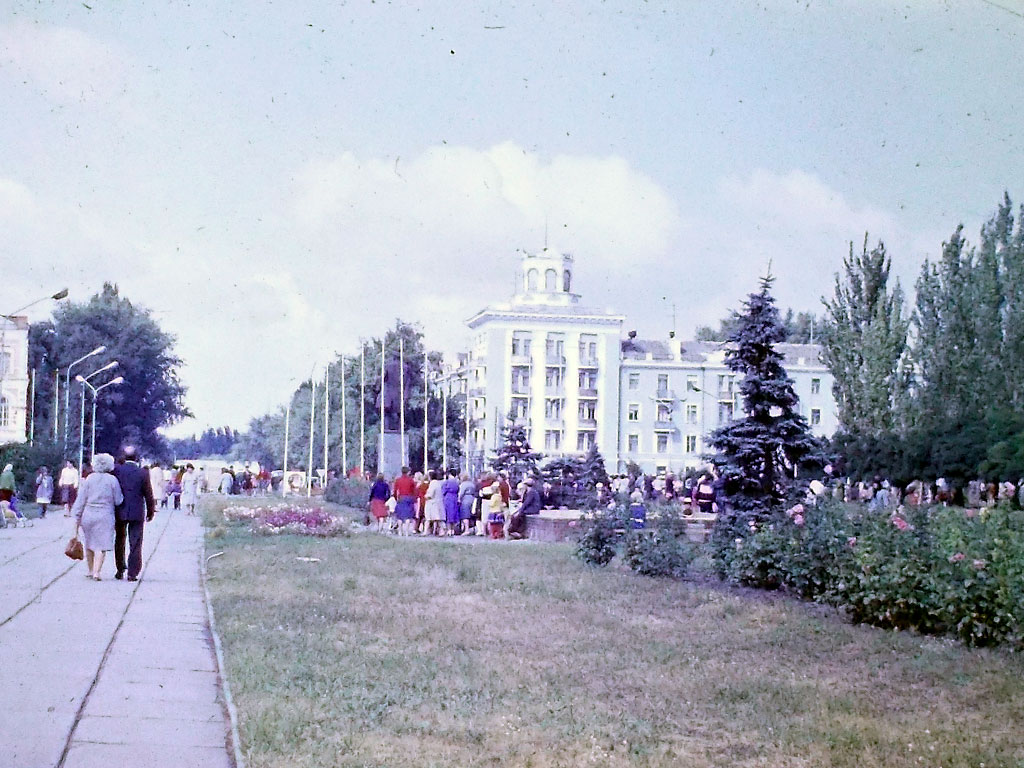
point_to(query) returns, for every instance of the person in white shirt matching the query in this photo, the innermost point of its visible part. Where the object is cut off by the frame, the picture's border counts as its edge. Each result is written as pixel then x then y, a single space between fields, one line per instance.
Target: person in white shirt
pixel 67 483
pixel 156 480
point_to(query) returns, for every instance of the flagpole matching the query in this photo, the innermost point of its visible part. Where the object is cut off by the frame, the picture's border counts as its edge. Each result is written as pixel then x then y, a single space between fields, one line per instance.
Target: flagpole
pixel 312 416
pixel 327 415
pixel 401 394
pixel 380 430
pixel 362 410
pixel 426 402
pixel 444 424
pixel 465 447
pixel 344 440
pixel 56 405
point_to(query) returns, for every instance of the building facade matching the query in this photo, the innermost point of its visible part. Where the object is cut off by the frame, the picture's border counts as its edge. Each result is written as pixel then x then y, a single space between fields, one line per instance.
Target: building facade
pixel 13 379
pixel 564 372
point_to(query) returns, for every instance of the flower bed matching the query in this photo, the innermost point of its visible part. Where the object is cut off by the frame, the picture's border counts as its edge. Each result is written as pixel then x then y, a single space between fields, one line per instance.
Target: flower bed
pixel 288 518
pixel 940 570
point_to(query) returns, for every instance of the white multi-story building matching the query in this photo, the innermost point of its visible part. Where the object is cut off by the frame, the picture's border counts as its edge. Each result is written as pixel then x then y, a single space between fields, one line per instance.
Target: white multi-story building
pixel 13 379
pixel 565 372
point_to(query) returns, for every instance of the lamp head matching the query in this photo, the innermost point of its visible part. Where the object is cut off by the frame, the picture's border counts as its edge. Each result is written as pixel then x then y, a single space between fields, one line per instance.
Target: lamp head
pixel 100 348
pixel 118 380
pixel 62 294
pixel 80 379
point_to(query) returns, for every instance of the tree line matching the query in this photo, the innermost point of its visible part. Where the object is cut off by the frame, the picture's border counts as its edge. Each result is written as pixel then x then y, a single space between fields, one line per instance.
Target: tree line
pixel 933 387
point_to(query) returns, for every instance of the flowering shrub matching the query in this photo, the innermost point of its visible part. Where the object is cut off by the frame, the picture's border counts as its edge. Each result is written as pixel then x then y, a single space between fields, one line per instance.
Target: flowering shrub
pixel 287 518
pixel 933 569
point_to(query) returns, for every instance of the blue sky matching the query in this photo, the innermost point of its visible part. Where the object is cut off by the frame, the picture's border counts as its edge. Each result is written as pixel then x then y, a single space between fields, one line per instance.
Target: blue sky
pixel 276 180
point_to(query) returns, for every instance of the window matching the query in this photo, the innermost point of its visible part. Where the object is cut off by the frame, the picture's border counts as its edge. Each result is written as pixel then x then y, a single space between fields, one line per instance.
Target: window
pixel 815 386
pixel 520 380
pixel 633 414
pixel 724 413
pixel 553 377
pixel 588 409
pixel 691 443
pixel 588 349
pixel 520 343
pixel 555 346
pixel 588 380
pixel 5 412
pixel 5 362
pixel 815 416
pixel 552 440
pixel 662 443
pixel 691 413
pixel 531 280
pixel 691 383
pixel 550 280
pixel 634 381
pixel 566 281
pixel 584 441
pixel 664 412
pixel 520 407
pixel 663 382
pixel 553 408
pixel 634 443
pixel 725 386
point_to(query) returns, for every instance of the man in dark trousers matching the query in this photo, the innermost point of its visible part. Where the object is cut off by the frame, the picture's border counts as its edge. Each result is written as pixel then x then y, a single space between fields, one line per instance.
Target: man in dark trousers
pixel 132 514
pixel 530 506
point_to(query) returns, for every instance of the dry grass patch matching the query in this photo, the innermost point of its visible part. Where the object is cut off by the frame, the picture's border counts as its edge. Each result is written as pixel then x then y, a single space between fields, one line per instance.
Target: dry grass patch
pixel 426 653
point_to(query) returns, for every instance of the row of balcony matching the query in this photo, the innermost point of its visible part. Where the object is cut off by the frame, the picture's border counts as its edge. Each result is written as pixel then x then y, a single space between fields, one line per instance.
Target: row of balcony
pixel 554 360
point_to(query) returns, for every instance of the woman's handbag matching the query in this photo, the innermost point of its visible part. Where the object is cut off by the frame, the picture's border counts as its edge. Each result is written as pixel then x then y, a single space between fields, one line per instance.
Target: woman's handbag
pixel 74 549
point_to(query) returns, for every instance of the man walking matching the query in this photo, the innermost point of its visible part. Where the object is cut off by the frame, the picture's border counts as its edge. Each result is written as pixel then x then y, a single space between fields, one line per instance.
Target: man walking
pixel 132 514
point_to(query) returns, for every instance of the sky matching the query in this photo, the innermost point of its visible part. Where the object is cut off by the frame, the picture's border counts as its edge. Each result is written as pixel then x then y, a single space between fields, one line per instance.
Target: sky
pixel 277 180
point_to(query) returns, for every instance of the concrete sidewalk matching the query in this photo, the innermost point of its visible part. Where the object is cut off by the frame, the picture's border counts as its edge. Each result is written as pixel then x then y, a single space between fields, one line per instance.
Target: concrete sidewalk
pixel 107 673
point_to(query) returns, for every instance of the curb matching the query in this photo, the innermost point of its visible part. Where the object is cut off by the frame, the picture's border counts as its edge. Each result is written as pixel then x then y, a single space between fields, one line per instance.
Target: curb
pixel 229 702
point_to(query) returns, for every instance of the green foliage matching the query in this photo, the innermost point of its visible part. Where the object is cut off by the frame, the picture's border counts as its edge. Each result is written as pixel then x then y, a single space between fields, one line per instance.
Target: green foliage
pixel 348 492
pixel 603 534
pixel 756 455
pixel 938 570
pixel 151 395
pixel 662 549
pixel 659 549
pixel 515 455
pixel 865 343
pixel 562 473
pixel 799 327
pixel 26 459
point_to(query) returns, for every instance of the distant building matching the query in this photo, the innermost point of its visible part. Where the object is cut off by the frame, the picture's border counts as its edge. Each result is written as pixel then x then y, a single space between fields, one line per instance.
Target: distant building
pixel 13 379
pixel 564 371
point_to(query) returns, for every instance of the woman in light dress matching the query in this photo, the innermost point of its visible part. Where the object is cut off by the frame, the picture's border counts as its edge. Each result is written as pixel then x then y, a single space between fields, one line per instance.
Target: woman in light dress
pixel 190 489
pixel 98 494
pixel 434 506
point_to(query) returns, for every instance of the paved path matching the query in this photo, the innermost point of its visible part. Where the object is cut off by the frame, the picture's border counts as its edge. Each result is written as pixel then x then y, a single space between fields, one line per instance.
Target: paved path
pixel 107 673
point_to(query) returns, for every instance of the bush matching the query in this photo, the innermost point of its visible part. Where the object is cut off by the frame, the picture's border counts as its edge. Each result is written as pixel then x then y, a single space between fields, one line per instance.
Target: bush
pixel 26 459
pixel 936 570
pixel 349 492
pixel 602 535
pixel 660 549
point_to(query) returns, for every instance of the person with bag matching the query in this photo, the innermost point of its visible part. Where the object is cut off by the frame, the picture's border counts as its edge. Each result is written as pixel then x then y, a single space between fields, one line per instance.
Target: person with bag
pixel 136 509
pixel 98 494
pixel 44 489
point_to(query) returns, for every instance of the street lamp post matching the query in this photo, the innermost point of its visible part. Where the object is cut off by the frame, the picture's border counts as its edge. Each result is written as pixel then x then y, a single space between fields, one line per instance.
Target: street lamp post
pixel 67 393
pixel 84 380
pixel 95 391
pixel 284 471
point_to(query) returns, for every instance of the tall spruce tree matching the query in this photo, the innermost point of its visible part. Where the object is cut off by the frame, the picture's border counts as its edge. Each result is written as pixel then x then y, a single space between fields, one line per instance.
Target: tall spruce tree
pixel 865 344
pixel 758 455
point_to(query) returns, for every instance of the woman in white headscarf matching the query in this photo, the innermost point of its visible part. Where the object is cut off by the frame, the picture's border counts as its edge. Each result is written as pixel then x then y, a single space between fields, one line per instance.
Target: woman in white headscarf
pixel 98 494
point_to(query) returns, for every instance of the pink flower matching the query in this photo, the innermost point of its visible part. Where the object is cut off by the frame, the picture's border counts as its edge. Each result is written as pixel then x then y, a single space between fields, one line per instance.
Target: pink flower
pixel 900 523
pixel 798 519
pixel 958 557
pixel 971 513
pixel 979 565
pixel 852 541
pixel 796 509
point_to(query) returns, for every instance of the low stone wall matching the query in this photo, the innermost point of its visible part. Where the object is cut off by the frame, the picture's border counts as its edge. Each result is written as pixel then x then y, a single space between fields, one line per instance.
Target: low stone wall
pixel 554 525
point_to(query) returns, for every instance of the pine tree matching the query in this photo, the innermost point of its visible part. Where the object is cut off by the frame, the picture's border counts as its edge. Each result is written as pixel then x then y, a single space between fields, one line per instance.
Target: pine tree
pixel 594 471
pixel 865 345
pixel 757 455
pixel 515 456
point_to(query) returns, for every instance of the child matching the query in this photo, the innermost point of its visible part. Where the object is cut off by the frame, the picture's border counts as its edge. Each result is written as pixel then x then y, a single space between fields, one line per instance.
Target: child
pixel 496 518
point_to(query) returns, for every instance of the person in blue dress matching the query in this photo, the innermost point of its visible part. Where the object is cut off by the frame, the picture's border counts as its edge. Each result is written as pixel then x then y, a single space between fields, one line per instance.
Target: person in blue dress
pixel 450 501
pixel 467 499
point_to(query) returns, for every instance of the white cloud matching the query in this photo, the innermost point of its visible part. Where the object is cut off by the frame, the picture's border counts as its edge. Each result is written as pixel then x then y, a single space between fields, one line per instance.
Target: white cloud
pixel 64 63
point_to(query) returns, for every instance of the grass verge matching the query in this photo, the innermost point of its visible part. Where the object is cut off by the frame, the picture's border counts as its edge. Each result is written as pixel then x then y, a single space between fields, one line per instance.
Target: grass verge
pixel 390 652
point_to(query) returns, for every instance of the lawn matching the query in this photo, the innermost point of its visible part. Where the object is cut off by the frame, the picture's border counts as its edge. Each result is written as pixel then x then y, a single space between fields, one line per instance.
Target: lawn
pixel 409 652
